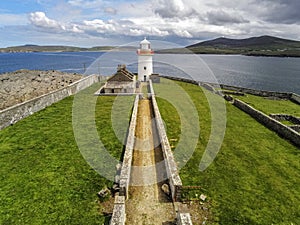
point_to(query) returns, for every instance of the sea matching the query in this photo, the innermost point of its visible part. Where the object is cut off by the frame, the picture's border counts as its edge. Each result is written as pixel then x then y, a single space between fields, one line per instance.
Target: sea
pixel 263 73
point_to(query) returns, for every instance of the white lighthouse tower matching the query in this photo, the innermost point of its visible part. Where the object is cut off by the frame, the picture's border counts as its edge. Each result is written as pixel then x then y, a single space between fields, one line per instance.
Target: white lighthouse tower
pixel 145 66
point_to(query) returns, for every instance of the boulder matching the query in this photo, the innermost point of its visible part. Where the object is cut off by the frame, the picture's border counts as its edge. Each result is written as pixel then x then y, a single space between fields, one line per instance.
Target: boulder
pixel 103 193
pixel 166 189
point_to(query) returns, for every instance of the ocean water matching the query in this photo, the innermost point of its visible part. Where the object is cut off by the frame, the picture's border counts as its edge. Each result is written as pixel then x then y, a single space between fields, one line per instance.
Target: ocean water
pixel 265 73
pixel 63 61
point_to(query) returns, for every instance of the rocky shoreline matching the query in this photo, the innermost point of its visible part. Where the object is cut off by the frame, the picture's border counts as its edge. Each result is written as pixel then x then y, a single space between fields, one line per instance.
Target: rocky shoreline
pixel 23 85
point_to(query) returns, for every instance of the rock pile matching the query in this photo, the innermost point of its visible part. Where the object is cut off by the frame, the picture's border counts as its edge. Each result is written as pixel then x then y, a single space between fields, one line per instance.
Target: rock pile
pixel 23 85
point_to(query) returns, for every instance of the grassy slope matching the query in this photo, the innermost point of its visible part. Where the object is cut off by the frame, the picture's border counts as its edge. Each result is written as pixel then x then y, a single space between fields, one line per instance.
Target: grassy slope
pixel 270 106
pixel 43 177
pixel 255 177
pixel 260 46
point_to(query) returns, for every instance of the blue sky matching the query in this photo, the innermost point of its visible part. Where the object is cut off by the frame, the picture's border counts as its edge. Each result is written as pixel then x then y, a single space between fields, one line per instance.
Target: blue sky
pixel 104 22
pixel 19 6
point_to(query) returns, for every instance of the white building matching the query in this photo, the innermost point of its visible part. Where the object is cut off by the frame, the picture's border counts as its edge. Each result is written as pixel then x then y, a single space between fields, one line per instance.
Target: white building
pixel 145 65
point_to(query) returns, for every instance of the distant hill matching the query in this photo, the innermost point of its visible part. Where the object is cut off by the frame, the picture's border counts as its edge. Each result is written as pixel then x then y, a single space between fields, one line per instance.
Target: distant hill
pixel 263 45
pixel 256 46
pixel 52 48
pixel 37 48
pixel 253 42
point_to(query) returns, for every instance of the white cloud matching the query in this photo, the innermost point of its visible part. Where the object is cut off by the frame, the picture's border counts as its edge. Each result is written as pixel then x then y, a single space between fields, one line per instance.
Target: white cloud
pixel 39 19
pixel 177 19
pixel 221 17
pixel 183 33
pixel 99 26
pixel 172 8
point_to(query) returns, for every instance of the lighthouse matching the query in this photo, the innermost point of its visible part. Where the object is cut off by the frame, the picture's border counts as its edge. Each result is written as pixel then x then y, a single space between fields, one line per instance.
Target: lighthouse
pixel 145 65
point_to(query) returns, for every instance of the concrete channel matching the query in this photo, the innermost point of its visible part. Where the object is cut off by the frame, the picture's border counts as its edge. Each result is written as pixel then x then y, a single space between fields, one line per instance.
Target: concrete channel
pixel 149 180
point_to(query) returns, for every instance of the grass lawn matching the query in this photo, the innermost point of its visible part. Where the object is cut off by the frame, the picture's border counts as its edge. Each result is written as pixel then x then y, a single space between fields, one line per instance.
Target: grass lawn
pixel 254 178
pixel 43 177
pixel 270 106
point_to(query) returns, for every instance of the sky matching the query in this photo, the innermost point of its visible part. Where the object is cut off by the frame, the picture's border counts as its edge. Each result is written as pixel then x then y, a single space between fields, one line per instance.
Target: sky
pixel 87 23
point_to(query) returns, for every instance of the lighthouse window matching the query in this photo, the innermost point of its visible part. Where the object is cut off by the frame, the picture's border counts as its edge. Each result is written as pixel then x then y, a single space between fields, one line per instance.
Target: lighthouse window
pixel 145 67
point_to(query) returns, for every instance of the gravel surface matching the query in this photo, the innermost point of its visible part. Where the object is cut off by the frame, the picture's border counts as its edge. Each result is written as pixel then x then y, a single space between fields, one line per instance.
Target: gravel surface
pixel 23 85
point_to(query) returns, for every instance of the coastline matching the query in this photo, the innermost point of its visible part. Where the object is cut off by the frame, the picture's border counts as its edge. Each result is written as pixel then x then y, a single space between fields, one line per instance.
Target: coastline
pixel 187 52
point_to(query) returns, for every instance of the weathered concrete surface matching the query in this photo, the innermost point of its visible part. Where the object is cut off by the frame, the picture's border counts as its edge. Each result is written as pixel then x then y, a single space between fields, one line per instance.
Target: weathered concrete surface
pixel 15 113
pixel 23 85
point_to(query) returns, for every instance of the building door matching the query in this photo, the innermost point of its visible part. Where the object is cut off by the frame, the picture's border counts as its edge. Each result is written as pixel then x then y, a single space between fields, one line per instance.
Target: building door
pixel 145 78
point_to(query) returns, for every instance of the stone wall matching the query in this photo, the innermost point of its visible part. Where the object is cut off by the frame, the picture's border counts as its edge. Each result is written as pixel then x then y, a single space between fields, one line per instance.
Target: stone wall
pixel 239 90
pixel 285 117
pixel 15 113
pixel 295 98
pixel 171 167
pixel 261 93
pixel 127 159
pixel 181 79
pixel 184 219
pixel 269 122
pixel 295 128
pixel 119 214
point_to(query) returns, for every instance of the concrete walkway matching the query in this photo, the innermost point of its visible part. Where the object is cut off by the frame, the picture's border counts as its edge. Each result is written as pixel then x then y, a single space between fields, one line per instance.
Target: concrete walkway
pixel 147 204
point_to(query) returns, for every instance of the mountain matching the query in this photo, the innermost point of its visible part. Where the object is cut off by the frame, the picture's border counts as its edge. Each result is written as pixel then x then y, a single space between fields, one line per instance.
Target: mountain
pixel 263 45
pixel 262 41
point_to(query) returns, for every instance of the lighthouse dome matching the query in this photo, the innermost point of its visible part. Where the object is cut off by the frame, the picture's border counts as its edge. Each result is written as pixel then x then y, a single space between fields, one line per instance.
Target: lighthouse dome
pixel 145 41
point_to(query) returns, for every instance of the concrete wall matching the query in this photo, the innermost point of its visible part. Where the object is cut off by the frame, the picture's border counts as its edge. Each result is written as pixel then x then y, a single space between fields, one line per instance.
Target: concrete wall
pixel 269 122
pixel 127 160
pixel 14 114
pixel 171 167
pixel 119 214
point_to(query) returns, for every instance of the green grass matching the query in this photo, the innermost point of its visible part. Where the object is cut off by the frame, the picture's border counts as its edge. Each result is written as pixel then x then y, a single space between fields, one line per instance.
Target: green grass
pixel 270 106
pixel 172 121
pixel 43 177
pixel 106 130
pixel 254 178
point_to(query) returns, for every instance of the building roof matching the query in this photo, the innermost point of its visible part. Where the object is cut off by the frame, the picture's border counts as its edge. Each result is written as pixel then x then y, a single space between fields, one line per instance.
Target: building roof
pixel 145 41
pixel 122 75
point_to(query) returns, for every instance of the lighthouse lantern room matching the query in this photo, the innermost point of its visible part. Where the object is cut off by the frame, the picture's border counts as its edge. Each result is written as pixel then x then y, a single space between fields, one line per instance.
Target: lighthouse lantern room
pixel 145 65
